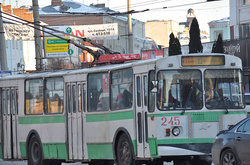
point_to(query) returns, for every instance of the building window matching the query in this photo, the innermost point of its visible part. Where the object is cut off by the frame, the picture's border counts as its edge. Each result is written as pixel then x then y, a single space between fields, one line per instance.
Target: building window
pixel 232 32
pixel 244 31
pixel 216 34
pixel 245 2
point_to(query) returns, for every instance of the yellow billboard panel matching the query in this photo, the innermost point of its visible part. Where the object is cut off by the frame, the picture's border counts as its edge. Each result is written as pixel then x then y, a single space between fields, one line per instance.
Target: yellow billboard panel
pixel 56 45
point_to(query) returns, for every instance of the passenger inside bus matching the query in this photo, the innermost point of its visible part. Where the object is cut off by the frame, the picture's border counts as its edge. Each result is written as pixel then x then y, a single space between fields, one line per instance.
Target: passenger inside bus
pixel 209 89
pixel 173 102
pixel 102 104
pixel 127 97
pixel 119 101
pixel 192 94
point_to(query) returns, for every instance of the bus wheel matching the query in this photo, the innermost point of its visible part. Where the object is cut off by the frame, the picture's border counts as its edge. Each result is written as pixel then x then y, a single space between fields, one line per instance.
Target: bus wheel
pixel 124 151
pixel 35 155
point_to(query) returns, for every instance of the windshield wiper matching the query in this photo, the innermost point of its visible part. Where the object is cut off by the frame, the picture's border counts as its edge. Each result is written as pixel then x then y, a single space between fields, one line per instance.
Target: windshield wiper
pixel 225 105
pixel 221 97
pixel 188 98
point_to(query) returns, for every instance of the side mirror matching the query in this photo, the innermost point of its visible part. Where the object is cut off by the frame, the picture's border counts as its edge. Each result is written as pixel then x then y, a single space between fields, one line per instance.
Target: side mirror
pixel 154 84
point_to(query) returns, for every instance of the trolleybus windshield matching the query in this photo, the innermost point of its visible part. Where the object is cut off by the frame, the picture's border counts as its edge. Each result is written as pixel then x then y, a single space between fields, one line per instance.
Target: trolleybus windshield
pixel 179 89
pixel 223 89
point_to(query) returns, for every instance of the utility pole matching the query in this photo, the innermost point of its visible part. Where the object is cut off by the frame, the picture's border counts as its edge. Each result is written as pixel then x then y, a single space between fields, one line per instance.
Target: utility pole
pixel 38 43
pixel 130 30
pixel 3 57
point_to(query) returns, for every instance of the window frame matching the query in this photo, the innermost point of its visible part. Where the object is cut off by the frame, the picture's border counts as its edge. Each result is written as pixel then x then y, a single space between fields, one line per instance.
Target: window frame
pixel 45 92
pixel 119 84
pixel 98 92
pixel 183 108
pixel 25 109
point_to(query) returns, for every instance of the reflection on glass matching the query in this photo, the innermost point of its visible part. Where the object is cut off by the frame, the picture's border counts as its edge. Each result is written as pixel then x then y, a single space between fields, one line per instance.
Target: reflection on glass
pixel 180 89
pixel 223 89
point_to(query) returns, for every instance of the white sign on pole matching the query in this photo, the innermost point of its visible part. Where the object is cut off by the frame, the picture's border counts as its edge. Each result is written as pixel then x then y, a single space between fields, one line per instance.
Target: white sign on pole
pixel 18 32
pixel 96 32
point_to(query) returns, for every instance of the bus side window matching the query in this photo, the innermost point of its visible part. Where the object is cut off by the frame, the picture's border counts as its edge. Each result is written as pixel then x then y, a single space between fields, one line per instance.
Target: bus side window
pixel 34 96
pixel 17 101
pixel 80 103
pixel 3 102
pixel 138 92
pixel 68 94
pixel 145 82
pixel 98 92
pixel 84 97
pixel 122 89
pixel 151 95
pixel 8 107
pixel 13 101
pixel 54 95
pixel 74 98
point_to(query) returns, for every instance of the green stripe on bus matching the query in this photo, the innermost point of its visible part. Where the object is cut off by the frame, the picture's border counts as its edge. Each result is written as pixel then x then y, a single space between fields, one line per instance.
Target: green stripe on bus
pixel 50 150
pixel 23 149
pixel 185 141
pixel 100 151
pixel 1 156
pixel 134 142
pixel 41 119
pixel 153 147
pixel 200 116
pixel 110 116
pixel 104 151
pixel 55 151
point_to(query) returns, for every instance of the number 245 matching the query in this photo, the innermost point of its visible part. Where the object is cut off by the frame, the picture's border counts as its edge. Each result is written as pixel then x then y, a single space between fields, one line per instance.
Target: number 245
pixel 173 121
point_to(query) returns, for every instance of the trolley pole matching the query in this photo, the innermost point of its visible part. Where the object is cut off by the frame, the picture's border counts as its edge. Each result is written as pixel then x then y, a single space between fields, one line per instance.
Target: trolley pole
pixel 3 56
pixel 130 30
pixel 38 43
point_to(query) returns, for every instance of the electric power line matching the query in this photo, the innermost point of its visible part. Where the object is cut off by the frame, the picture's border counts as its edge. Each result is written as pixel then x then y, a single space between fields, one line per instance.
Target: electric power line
pixel 132 11
pixel 95 54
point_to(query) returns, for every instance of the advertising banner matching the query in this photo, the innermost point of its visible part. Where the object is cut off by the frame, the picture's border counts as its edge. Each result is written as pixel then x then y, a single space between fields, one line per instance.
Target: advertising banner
pixel 56 47
pixel 96 32
pixel 18 32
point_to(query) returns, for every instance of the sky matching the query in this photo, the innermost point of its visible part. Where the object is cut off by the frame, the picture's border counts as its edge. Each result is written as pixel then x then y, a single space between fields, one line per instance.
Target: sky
pixel 176 9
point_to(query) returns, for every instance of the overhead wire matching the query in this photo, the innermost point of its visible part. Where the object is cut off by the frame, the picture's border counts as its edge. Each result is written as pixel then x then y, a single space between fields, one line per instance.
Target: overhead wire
pixel 95 54
pixel 140 4
pixel 133 11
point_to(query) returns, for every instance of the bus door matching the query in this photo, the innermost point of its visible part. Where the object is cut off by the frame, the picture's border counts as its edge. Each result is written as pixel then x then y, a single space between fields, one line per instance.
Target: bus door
pixel 81 91
pixel 9 112
pixel 141 87
pixel 75 122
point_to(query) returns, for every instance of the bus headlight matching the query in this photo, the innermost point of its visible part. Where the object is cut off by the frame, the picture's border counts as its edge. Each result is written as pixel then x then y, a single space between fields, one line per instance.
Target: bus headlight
pixel 176 131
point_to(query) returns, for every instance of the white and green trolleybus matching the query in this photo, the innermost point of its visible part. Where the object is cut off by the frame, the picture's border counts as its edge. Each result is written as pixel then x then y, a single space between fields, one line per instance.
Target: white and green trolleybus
pixel 167 109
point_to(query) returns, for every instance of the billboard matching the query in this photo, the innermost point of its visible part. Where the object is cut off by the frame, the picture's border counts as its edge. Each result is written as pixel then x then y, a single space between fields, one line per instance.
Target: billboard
pixel 96 32
pixel 56 47
pixel 18 32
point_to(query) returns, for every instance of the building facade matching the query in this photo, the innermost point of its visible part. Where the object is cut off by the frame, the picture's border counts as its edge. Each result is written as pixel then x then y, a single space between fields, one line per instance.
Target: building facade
pixel 19 40
pixel 159 31
pixel 222 27
pixel 239 19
